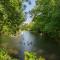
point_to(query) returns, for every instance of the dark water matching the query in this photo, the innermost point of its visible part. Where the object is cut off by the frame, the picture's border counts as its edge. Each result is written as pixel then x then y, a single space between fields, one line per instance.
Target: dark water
pixel 36 43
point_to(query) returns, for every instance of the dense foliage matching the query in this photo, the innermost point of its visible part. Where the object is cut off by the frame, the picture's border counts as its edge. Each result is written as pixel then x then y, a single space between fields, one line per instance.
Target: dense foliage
pixel 11 15
pixel 46 22
pixel 32 56
pixel 47 18
pixel 4 55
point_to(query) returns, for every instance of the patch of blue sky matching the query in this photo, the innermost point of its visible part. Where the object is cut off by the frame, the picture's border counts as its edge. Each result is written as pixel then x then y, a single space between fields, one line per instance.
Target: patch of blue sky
pixel 28 8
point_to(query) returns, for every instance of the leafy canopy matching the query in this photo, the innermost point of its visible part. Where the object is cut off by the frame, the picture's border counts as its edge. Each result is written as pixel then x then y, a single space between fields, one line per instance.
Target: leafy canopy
pixel 47 17
pixel 11 15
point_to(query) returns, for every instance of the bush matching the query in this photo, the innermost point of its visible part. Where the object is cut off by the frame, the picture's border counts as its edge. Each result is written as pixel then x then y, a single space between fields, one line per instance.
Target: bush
pixel 32 56
pixel 4 55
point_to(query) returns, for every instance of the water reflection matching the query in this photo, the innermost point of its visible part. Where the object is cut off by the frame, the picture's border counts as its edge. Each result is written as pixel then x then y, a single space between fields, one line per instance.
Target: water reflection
pixel 27 41
pixel 36 43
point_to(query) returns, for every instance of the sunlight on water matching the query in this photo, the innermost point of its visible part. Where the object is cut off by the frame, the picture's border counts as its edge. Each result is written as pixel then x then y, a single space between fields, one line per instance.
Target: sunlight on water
pixel 27 40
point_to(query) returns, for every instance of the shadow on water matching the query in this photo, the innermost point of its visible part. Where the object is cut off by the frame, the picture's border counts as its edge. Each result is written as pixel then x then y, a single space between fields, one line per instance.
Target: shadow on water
pixel 36 43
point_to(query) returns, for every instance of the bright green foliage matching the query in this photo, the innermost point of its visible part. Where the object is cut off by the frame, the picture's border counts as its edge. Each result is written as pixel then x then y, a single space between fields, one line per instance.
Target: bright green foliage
pixel 47 17
pixel 41 58
pixel 4 55
pixel 26 27
pixel 11 15
pixel 32 56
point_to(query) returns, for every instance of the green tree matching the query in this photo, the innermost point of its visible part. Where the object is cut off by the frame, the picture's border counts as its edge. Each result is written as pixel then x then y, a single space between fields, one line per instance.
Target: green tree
pixel 47 18
pixel 11 15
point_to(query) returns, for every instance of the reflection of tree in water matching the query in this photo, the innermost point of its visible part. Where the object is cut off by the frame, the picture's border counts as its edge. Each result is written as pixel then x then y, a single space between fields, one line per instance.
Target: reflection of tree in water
pixel 42 47
pixel 27 40
pixel 47 48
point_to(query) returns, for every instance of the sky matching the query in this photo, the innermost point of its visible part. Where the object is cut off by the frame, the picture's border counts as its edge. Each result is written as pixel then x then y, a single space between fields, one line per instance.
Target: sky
pixel 28 7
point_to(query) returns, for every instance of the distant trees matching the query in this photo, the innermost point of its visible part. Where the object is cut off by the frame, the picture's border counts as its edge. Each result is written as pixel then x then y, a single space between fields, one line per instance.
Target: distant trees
pixel 11 15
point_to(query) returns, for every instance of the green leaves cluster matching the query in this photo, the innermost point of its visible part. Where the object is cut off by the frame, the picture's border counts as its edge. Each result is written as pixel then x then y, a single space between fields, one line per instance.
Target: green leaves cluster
pixel 32 56
pixel 47 17
pixel 11 15
pixel 4 55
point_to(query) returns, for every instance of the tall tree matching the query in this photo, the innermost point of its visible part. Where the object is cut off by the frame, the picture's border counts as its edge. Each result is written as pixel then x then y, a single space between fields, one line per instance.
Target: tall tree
pixel 11 15
pixel 47 17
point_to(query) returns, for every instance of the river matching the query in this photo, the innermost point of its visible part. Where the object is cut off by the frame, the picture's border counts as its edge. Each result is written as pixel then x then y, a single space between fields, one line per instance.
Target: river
pixel 27 38
pixel 35 42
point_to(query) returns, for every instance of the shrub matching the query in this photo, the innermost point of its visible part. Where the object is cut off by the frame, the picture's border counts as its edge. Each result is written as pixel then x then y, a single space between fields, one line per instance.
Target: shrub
pixel 4 55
